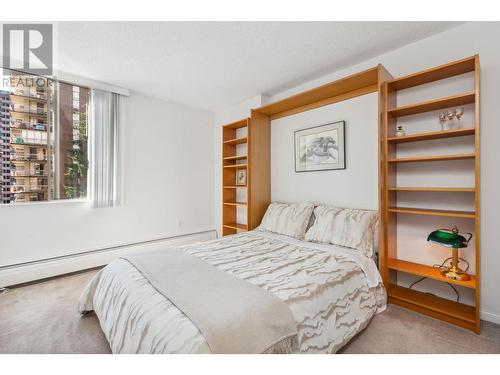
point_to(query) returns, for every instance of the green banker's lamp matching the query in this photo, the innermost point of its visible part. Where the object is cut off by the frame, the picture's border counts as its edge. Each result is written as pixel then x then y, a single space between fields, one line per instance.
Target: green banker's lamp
pixel 451 238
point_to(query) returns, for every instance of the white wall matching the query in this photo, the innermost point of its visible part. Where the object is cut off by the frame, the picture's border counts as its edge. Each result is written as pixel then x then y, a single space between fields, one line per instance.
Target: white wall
pixel 169 191
pixel 462 41
pixel 355 186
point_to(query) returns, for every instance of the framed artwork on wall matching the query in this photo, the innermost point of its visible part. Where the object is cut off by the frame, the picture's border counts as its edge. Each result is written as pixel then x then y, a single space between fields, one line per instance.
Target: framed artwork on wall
pixel 320 148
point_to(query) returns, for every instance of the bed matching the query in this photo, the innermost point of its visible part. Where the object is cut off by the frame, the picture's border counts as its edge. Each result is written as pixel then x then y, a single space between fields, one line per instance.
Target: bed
pixel 331 291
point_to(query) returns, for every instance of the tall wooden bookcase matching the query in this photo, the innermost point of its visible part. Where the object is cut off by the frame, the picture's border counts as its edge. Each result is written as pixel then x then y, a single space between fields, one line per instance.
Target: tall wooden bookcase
pixel 246 147
pixel 390 264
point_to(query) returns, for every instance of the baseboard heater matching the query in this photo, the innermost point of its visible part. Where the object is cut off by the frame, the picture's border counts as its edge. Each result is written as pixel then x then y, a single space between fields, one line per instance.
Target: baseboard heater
pixel 19 273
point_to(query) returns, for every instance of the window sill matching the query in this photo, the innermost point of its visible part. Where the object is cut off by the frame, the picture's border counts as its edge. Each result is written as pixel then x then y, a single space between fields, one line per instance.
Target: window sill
pixel 38 203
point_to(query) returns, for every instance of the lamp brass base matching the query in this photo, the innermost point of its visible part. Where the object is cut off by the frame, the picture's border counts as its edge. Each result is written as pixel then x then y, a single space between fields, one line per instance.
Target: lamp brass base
pixel 455 274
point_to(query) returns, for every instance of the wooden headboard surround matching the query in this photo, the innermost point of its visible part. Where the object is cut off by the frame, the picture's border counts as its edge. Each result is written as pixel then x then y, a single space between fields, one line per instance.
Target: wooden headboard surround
pixel 362 83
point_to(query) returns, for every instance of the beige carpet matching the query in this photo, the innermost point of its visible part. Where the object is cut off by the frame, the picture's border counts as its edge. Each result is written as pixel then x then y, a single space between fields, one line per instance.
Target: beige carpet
pixel 42 318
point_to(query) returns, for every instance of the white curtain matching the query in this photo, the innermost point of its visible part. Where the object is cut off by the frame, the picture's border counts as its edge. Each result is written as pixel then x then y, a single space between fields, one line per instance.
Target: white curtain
pixel 106 149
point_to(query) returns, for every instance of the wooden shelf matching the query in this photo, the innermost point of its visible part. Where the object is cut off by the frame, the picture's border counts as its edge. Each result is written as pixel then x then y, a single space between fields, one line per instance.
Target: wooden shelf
pixel 235 203
pixel 236 141
pixel 237 157
pixel 237 124
pixel 435 189
pixel 434 74
pixel 236 226
pixel 257 140
pixel 235 166
pixel 432 212
pixel 432 158
pixel 428 271
pixel 437 307
pixel 433 105
pixel 433 135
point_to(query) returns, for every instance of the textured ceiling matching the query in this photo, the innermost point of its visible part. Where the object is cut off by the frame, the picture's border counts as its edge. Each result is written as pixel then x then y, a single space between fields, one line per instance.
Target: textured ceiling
pixel 212 65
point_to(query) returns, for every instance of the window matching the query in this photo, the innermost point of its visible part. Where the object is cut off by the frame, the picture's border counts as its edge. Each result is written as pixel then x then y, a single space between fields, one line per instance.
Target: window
pixel 43 139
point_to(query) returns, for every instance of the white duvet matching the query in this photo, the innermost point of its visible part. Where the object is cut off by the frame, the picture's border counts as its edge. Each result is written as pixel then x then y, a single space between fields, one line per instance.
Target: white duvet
pixel 333 292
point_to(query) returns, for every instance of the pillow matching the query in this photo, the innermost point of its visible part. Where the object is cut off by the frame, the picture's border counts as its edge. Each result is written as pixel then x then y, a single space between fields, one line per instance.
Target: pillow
pixel 346 227
pixel 289 219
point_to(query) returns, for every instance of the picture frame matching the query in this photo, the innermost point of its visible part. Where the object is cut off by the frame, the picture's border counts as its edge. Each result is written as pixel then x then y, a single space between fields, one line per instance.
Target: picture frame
pixel 241 177
pixel 320 148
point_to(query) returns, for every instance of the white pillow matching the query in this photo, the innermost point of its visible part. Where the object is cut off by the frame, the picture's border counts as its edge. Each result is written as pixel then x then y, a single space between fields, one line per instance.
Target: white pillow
pixel 346 227
pixel 289 219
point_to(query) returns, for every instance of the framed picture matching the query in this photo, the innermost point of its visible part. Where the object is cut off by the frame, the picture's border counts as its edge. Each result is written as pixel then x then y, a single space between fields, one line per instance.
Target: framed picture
pixel 241 177
pixel 320 148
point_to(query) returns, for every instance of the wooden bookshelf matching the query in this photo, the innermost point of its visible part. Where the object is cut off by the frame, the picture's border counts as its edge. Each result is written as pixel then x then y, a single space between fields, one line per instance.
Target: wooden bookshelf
pixel 237 214
pixel 390 265
pixel 234 137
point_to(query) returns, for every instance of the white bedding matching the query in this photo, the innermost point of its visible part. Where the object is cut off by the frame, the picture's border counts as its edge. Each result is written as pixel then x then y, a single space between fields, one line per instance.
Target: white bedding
pixel 333 293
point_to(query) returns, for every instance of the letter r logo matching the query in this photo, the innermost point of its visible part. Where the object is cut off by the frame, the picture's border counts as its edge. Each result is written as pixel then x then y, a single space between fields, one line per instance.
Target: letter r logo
pixel 28 47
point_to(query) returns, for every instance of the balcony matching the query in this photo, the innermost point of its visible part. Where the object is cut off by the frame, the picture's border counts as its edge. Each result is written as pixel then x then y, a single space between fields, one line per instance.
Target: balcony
pixel 28 141
pixel 32 173
pixel 20 189
pixel 29 96
pixel 27 158
pixel 29 112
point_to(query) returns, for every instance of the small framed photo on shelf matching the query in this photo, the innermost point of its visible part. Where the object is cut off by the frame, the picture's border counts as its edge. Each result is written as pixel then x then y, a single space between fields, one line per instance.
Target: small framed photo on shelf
pixel 320 148
pixel 241 177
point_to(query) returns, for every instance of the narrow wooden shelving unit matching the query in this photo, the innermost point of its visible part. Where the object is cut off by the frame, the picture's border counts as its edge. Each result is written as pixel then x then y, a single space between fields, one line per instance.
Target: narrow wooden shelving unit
pixel 234 136
pixel 244 143
pixel 390 265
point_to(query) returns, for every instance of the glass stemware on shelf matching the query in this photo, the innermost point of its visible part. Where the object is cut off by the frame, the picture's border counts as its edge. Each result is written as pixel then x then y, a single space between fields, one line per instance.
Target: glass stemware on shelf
pixel 449 115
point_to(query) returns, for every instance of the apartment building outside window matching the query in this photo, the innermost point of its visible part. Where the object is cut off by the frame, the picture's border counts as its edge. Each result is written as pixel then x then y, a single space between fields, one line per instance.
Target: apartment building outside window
pixel 43 139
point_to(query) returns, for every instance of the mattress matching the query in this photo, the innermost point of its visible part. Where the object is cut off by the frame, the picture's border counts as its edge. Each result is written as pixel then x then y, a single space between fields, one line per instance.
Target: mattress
pixel 332 292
